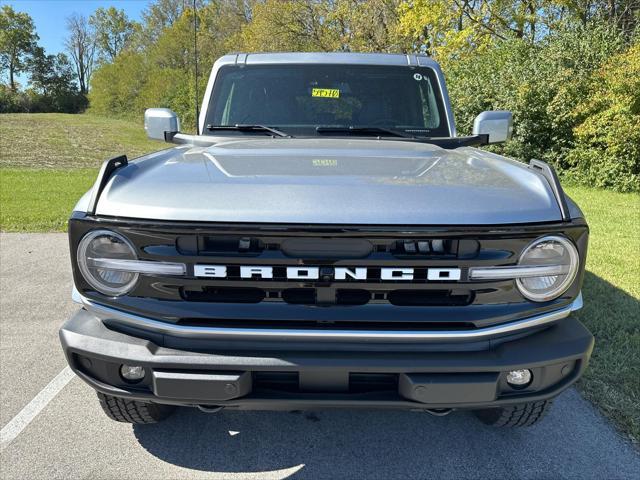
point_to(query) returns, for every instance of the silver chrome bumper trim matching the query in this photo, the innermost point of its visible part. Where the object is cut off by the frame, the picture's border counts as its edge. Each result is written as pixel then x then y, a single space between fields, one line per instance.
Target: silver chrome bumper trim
pixel 115 316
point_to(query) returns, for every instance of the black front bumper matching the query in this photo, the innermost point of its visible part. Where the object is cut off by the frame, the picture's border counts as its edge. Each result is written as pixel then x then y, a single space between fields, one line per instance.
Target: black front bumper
pixel 292 380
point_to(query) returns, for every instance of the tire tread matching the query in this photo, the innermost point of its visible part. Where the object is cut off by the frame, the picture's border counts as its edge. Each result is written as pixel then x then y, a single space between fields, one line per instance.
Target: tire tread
pixel 133 411
pixel 520 415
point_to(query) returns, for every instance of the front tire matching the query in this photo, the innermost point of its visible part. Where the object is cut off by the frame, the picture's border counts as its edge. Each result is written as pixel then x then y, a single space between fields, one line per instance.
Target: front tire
pixel 521 415
pixel 132 411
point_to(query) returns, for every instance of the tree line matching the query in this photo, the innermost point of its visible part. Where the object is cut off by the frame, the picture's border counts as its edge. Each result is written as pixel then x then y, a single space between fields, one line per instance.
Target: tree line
pixel 568 69
pixel 57 82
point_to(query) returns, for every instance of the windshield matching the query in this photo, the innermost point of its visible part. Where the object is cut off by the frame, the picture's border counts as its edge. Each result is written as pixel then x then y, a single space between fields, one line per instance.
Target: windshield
pixel 298 99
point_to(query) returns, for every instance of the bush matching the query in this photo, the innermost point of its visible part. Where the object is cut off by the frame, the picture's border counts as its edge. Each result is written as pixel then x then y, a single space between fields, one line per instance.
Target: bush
pixel 30 101
pixel 550 87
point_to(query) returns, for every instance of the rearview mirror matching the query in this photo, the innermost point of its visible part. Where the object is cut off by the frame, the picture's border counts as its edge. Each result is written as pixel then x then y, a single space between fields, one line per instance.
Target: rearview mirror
pixel 158 121
pixel 497 124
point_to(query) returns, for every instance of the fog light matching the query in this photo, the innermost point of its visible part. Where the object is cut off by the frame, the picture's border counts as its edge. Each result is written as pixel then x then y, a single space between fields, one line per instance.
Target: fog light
pixel 519 378
pixel 132 373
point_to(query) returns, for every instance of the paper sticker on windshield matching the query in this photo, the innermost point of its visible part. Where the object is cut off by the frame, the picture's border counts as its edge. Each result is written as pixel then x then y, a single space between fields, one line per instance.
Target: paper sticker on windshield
pixel 325 92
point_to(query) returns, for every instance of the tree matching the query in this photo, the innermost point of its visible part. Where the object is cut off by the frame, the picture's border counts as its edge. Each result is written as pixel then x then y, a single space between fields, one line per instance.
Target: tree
pixel 17 40
pixel 164 13
pixel 51 74
pixel 81 45
pixel 113 31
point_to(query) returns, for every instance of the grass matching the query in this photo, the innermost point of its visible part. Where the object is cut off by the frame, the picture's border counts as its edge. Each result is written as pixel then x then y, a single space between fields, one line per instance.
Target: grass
pixel 54 140
pixel 612 304
pixel 40 200
pixel 33 198
pixel 48 160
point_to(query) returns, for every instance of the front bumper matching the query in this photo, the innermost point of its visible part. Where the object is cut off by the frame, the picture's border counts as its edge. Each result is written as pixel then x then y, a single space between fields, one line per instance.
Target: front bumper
pixel 305 379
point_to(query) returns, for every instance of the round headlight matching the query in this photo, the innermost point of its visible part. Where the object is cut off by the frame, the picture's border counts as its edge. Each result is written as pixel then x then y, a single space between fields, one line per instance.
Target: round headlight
pixel 553 251
pixel 105 244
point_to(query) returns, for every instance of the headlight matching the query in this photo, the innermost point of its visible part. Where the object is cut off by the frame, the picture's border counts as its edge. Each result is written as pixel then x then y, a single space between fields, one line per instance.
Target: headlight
pixel 555 253
pixel 97 246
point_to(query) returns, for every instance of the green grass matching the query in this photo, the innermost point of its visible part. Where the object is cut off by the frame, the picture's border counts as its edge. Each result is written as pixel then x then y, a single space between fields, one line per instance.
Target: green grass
pixel 612 304
pixel 36 199
pixel 40 200
pixel 48 160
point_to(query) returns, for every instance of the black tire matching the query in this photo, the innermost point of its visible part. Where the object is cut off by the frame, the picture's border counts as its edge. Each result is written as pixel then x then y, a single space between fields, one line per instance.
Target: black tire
pixel 521 415
pixel 132 411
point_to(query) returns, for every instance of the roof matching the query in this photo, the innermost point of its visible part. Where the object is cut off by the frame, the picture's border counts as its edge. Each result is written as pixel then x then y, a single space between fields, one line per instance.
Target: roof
pixel 328 58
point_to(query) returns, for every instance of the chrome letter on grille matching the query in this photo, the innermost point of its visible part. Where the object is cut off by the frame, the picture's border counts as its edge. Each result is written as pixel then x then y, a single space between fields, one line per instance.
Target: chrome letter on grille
pixel 303 273
pixel 215 271
pixel 249 272
pixel 359 273
pixel 443 274
pixel 396 273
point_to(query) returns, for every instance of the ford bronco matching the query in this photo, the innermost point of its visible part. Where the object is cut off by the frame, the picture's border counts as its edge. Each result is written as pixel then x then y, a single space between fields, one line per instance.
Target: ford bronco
pixel 326 239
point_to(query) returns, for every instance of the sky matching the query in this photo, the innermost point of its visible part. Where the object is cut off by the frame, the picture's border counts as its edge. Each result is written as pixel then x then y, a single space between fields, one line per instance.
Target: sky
pixel 49 17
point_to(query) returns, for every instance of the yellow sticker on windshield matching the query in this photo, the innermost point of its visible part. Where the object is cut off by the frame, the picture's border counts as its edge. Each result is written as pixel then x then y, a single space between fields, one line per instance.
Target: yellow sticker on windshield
pixel 325 92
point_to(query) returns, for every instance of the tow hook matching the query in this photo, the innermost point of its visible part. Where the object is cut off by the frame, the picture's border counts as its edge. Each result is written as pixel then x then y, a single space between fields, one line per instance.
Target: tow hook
pixel 209 408
pixel 439 412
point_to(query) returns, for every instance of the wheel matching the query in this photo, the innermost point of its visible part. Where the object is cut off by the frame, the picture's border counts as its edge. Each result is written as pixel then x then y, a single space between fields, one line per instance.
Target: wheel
pixel 132 411
pixel 521 415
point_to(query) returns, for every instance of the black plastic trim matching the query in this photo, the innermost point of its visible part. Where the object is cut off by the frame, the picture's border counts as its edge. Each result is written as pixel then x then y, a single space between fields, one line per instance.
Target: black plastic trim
pixel 554 182
pixel 106 170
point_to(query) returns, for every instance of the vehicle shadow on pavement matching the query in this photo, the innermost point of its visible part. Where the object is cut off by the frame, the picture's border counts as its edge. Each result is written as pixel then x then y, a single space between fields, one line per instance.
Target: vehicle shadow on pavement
pixel 390 444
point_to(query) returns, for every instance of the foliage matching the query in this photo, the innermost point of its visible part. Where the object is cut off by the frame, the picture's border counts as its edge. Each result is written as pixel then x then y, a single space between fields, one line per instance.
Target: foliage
pixel 542 83
pixel 17 40
pixel 607 151
pixel 113 31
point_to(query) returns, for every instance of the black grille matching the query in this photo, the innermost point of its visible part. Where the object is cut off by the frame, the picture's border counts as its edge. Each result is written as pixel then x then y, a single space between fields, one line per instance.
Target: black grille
pixel 326 302
pixel 328 296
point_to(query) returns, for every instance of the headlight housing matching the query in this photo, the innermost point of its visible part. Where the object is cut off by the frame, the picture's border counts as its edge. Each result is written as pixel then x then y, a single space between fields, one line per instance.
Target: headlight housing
pixel 106 244
pixel 551 251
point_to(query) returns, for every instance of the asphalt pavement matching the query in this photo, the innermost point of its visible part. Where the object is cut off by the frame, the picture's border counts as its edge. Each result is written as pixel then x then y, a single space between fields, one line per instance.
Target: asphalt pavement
pixel 68 436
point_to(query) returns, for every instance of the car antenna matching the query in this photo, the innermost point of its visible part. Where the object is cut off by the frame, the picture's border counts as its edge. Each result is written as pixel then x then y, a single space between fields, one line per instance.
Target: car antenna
pixel 195 54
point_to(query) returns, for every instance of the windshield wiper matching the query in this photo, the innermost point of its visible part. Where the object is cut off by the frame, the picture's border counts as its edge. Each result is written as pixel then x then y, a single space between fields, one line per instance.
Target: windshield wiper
pixel 369 129
pixel 249 128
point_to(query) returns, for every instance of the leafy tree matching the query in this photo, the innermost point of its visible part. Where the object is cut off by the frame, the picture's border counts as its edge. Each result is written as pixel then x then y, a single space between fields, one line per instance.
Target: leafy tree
pixel 113 31
pixel 81 45
pixel 607 150
pixel 51 74
pixel 17 41
pixel 164 13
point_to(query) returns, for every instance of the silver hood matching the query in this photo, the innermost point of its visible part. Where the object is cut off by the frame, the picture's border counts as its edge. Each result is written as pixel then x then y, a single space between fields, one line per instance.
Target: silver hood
pixel 329 181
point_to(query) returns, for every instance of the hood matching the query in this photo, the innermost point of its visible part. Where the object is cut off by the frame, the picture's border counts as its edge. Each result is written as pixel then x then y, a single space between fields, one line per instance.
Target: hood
pixel 329 181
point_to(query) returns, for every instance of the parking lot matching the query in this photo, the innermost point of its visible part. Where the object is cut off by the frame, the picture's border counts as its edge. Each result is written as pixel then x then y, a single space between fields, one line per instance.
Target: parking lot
pixel 57 430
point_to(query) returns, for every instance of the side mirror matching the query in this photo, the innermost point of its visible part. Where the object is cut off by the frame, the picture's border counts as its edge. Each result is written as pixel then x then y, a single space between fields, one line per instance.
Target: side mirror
pixel 158 121
pixel 497 124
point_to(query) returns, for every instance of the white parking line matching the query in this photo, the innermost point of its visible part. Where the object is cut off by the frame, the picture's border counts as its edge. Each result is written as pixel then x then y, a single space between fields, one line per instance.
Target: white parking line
pixel 18 423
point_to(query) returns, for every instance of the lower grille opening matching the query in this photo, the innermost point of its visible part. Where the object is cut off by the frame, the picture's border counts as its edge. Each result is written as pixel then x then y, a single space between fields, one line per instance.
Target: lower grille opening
pixel 299 296
pixel 373 382
pixel 346 296
pixel 423 298
pixel 352 297
pixel 281 381
pixel 358 382
pixel 224 295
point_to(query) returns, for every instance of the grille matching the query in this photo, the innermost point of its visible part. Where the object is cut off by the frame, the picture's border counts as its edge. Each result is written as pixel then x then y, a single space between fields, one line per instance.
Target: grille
pixel 328 296
pixel 327 302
